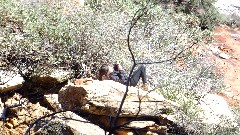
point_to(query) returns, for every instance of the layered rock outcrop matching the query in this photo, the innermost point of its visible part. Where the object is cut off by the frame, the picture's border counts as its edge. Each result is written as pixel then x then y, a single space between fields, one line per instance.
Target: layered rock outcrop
pixel 99 102
pixel 94 104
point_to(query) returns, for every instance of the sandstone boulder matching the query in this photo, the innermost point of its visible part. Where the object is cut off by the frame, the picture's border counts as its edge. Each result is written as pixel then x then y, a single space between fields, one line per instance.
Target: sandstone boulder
pixel 216 111
pixel 99 102
pixel 10 81
pixel 70 124
pixel 104 98
pixel 23 110
pixel 19 113
pixel 46 84
pixel 51 101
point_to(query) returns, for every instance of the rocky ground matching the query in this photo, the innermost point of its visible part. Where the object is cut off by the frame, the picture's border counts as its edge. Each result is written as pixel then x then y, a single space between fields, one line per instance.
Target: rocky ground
pixel 227 40
pixel 95 101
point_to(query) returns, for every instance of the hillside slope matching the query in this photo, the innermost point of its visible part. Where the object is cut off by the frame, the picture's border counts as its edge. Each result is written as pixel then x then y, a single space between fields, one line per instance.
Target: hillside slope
pixel 228 41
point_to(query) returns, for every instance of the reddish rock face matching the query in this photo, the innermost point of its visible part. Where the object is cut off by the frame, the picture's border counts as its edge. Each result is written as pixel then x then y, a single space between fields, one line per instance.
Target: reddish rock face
pixel 19 117
pixel 228 41
pixel 78 81
pixel 85 81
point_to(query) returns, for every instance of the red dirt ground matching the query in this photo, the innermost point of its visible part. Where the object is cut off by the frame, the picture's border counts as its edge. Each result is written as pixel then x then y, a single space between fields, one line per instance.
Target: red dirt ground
pixel 228 40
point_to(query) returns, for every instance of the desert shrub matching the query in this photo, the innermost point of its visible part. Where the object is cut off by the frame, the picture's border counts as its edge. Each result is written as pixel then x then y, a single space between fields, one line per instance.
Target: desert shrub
pixel 232 20
pixel 55 128
pixel 49 37
pixel 204 9
pixel 54 36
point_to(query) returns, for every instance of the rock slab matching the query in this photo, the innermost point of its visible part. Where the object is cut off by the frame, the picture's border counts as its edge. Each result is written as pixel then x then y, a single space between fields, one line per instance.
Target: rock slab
pixel 104 98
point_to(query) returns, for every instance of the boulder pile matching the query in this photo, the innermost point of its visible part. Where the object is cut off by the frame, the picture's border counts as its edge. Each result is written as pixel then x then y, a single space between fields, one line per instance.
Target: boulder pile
pixel 87 106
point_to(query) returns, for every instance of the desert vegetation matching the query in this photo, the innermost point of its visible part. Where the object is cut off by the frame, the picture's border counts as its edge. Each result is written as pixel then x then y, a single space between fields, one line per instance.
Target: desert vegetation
pixel 167 37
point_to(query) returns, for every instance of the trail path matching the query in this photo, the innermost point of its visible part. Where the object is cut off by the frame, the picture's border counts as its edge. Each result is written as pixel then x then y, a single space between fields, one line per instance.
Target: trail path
pixel 228 41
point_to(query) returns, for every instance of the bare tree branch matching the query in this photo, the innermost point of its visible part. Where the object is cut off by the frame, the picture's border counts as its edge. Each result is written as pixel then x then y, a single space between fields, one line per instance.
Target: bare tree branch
pixel 136 17
pixel 167 60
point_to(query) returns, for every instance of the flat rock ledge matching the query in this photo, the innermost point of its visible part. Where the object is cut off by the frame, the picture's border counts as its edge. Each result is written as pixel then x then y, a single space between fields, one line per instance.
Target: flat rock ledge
pixel 13 82
pixel 99 101
pixel 104 98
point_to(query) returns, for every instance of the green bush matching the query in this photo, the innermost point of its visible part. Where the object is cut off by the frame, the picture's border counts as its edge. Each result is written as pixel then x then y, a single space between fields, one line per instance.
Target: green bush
pixel 232 20
pixel 47 38
pixel 204 9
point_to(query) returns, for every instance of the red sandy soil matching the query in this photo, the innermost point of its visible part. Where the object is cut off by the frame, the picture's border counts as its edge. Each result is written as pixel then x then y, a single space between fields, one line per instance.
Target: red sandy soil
pixel 228 40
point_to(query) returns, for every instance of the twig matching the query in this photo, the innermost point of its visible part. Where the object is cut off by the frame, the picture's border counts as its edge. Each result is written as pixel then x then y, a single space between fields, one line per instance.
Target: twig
pixel 171 59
